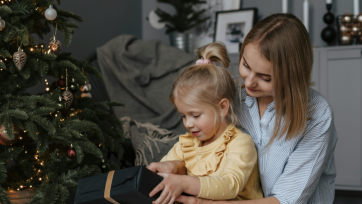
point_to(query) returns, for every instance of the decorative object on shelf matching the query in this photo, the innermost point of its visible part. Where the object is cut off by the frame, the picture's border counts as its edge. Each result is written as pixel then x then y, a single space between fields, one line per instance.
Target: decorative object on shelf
pixel 71 152
pixel 231 31
pixel 328 33
pixel 179 24
pixel 19 59
pixel 346 38
pixel 4 138
pixel 349 29
pixel 154 19
pixel 356 7
pixel 306 14
pixel 50 13
pixel 2 24
pixel 284 6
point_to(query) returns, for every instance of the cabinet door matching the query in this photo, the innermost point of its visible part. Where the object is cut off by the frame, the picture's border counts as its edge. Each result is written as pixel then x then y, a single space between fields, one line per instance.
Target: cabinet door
pixel 342 87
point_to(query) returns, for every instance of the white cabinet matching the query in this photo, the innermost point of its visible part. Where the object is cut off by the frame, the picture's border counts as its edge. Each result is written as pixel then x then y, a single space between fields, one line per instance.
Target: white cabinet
pixel 337 72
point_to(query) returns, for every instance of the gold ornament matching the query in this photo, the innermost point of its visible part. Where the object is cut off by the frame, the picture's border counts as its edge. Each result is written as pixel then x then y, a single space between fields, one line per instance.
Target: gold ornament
pixel 4 138
pixel 355 29
pixel 359 18
pixel 344 28
pixel 86 88
pixel 346 39
pixel 54 46
pixel 19 58
pixel 67 97
pixel 347 18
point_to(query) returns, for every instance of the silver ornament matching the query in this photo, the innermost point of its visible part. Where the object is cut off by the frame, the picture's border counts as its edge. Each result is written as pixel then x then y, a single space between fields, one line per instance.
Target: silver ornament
pixel 86 88
pixel 84 95
pixel 67 97
pixel 19 59
pixel 2 24
pixel 54 46
pixel 50 13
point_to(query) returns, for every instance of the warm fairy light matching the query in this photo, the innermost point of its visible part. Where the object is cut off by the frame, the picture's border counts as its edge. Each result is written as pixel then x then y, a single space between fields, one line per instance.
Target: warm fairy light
pixel 31 49
pixel 26 152
pixel 100 144
pixel 21 186
pixel 21 138
pixel 1 60
pixel 31 186
pixel 56 115
pixel 2 2
pixel 47 88
pixel 31 178
pixel 42 163
pixel 41 46
pixel 46 83
pixel 36 46
pixel 6 59
pixel 37 8
pixel 25 131
pixel 39 170
pixel 22 50
pixel 1 69
pixel 46 80
pixel 12 148
pixel 37 134
pixel 18 189
pixel 39 179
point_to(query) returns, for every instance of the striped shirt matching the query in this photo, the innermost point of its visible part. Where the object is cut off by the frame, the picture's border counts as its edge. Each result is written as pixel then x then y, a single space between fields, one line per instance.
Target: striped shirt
pixel 300 170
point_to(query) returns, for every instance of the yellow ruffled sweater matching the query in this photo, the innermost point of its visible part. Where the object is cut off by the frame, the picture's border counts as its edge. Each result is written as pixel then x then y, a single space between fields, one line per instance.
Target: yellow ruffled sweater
pixel 227 167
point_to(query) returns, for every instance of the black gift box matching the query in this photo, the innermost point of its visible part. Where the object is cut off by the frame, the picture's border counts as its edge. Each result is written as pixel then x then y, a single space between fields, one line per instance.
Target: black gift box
pixel 128 186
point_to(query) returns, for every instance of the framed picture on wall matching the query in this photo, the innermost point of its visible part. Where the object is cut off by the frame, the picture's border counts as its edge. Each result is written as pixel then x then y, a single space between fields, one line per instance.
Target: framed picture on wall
pixel 204 33
pixel 231 27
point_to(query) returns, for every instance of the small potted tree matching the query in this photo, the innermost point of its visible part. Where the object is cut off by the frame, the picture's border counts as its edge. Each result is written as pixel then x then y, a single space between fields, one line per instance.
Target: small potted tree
pixel 179 24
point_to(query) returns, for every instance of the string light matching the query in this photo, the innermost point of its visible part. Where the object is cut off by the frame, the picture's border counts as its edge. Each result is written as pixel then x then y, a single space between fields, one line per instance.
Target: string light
pixel 39 179
pixel 39 170
pixel 47 88
pixel 18 189
pixel 31 186
pixel 21 138
pixel 25 131
pixel 26 152
pixel 31 49
pixel 21 186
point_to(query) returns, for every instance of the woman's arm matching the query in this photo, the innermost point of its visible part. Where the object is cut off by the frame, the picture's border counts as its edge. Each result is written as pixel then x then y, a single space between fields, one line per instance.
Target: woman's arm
pixel 194 200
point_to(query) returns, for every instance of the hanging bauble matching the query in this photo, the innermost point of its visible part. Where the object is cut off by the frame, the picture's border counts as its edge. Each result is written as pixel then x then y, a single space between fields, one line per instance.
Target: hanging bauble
pixel 86 88
pixel 19 58
pixel 84 95
pixel 61 82
pixel 50 13
pixel 73 87
pixel 4 138
pixel 154 19
pixel 71 151
pixel 67 97
pixel 54 46
pixel 2 24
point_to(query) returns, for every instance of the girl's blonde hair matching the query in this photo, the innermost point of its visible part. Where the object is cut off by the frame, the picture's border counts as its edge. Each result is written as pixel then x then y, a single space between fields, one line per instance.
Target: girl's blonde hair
pixel 283 40
pixel 207 84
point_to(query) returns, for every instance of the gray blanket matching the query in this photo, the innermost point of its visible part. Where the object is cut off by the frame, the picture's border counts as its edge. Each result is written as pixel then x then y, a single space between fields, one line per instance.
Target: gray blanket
pixel 140 74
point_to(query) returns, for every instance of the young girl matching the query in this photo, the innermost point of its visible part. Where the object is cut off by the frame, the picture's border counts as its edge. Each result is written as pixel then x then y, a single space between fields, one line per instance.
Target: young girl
pixel 221 161
pixel 291 124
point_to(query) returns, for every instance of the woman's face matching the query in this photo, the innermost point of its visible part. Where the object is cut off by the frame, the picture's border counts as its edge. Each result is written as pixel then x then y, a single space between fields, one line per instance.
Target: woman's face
pixel 256 72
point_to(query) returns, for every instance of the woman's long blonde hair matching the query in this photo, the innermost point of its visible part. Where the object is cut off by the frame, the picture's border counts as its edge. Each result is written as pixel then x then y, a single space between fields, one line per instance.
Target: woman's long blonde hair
pixel 283 40
pixel 207 84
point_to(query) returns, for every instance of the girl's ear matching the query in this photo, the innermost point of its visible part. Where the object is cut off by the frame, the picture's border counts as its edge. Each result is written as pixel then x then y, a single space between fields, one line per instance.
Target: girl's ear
pixel 224 105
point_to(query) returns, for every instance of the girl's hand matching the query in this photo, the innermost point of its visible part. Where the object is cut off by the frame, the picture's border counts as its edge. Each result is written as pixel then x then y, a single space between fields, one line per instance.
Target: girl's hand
pixel 174 167
pixel 171 189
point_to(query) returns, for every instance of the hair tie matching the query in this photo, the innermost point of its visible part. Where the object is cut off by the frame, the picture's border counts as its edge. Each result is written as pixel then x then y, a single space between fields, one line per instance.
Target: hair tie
pixel 204 61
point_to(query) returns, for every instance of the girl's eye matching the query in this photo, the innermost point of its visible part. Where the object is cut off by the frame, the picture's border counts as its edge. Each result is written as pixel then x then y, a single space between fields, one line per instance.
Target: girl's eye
pixel 267 80
pixel 196 116
pixel 182 116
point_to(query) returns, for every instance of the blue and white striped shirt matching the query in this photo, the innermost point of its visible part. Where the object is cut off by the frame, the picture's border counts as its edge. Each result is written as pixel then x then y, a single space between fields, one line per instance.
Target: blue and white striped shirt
pixel 300 170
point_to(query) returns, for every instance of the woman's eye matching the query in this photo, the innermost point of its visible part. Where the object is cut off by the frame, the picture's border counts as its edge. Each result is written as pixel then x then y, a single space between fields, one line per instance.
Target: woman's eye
pixel 245 65
pixel 196 116
pixel 182 116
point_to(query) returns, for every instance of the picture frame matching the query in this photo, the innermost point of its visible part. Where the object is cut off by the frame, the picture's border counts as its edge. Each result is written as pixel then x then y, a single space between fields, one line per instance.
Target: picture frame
pixel 231 27
pixel 204 33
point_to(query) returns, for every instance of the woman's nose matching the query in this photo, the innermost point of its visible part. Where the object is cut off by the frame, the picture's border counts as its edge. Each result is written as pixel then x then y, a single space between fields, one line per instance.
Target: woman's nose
pixel 250 81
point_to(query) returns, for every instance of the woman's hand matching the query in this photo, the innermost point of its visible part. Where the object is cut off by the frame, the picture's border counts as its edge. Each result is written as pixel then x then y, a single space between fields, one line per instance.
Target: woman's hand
pixel 190 200
pixel 174 167
pixel 171 189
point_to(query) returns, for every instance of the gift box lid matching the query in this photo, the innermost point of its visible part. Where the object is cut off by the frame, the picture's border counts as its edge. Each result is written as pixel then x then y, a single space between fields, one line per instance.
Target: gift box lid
pixel 131 185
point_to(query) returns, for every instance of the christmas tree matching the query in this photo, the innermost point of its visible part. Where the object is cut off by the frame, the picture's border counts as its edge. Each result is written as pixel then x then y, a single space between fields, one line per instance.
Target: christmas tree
pixel 52 139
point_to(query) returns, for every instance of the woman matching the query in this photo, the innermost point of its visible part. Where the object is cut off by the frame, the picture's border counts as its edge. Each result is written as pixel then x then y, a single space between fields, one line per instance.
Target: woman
pixel 290 123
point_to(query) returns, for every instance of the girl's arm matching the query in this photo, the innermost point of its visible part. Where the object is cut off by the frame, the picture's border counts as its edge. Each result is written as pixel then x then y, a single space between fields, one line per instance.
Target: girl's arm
pixel 195 200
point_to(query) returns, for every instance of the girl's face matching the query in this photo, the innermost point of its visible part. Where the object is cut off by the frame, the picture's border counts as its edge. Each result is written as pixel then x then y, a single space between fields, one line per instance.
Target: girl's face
pixel 200 122
pixel 256 72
